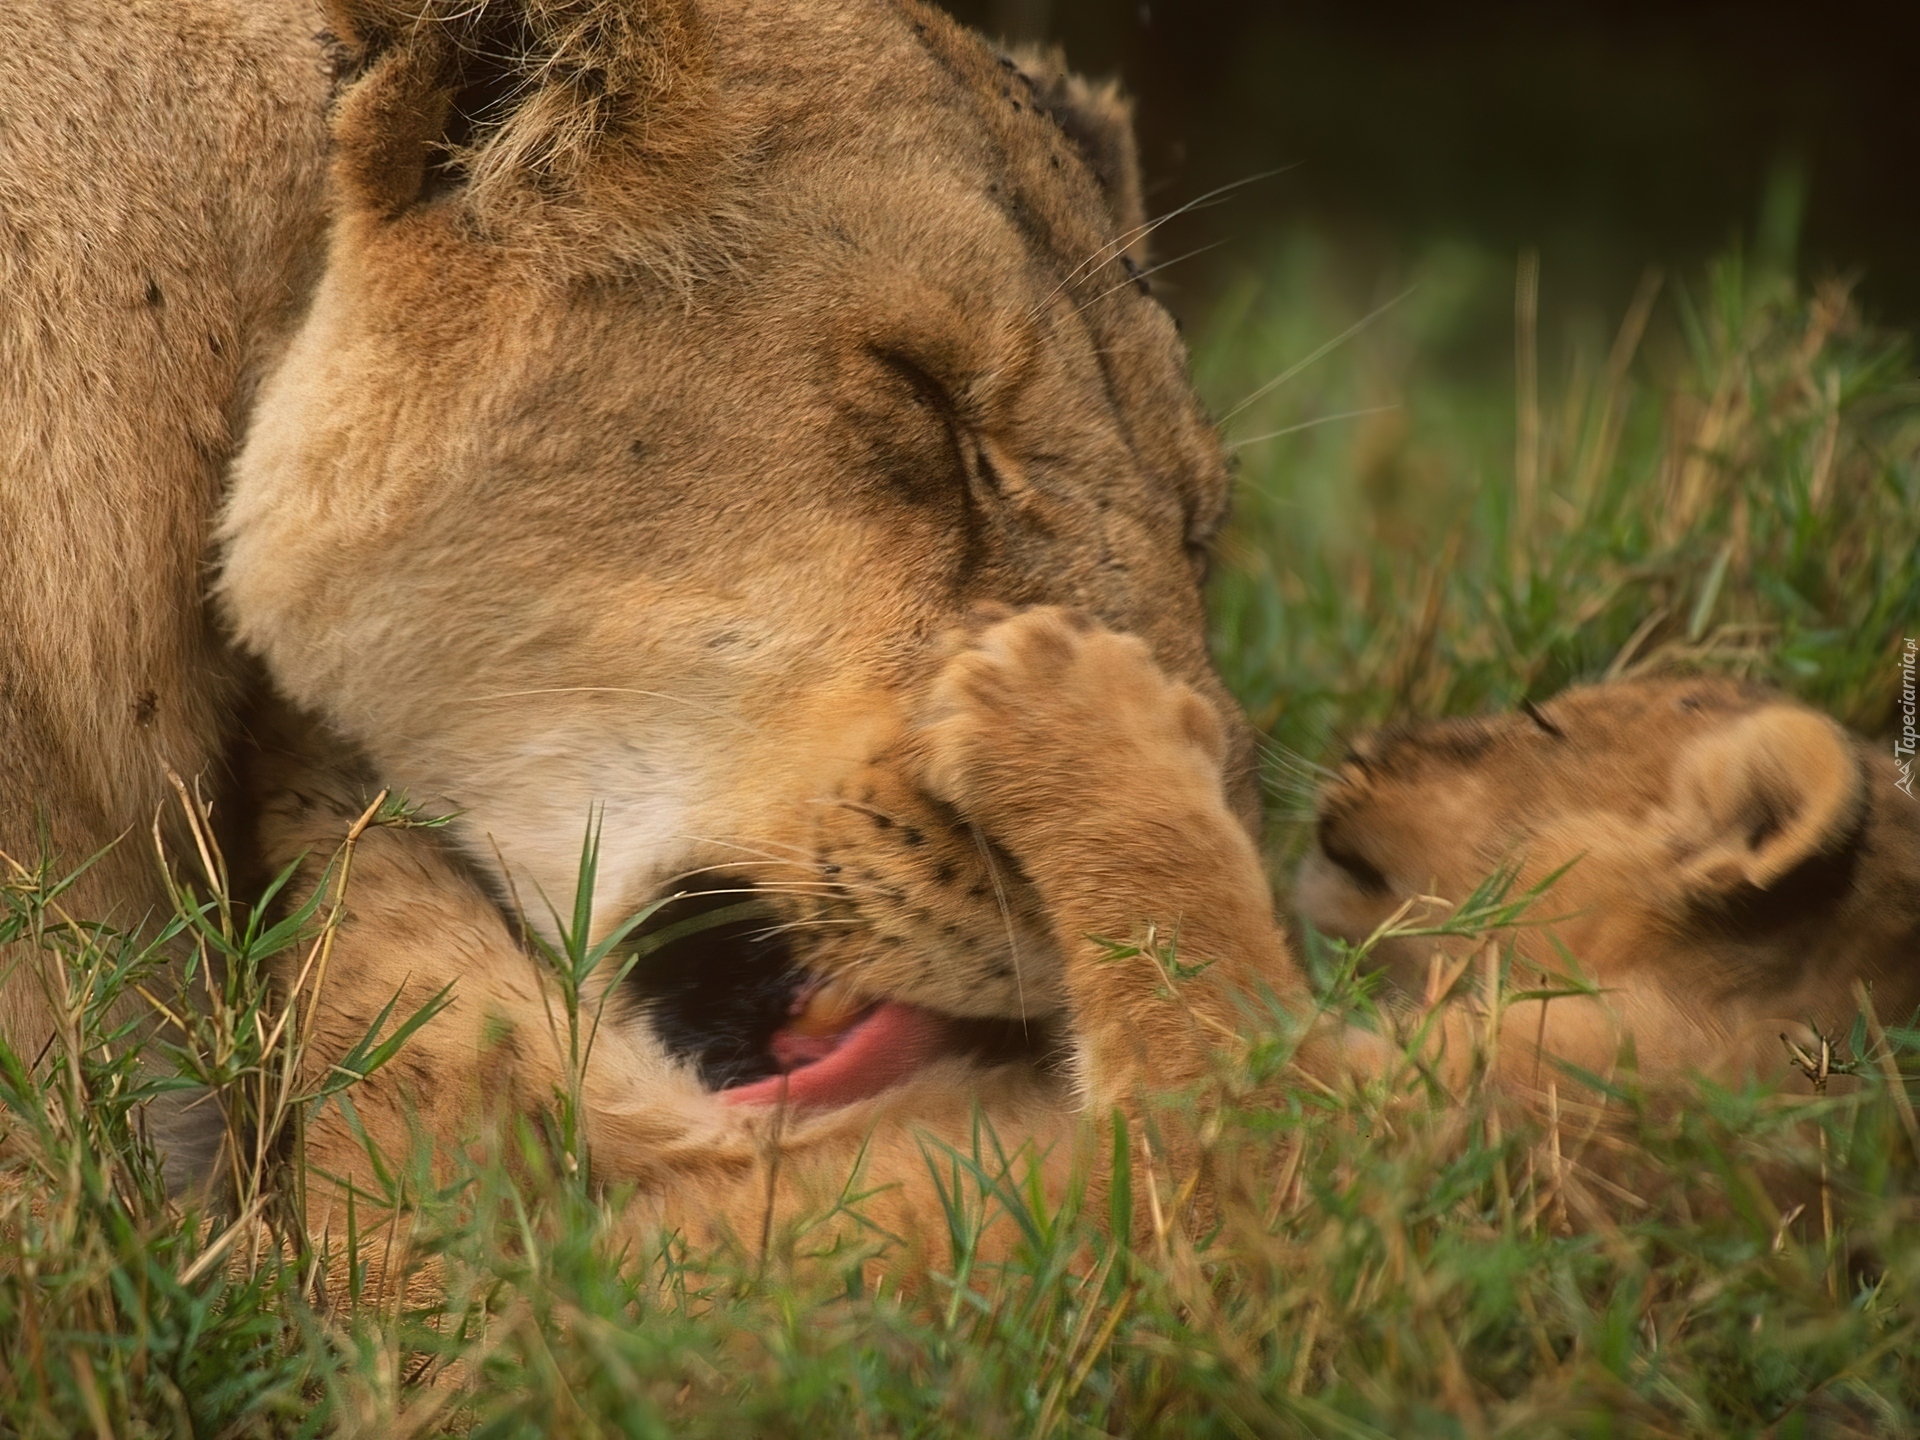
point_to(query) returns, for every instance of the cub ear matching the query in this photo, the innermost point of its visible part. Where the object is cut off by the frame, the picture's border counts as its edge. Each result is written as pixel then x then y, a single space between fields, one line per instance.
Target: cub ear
pixel 1764 795
pixel 551 119
pixel 1098 119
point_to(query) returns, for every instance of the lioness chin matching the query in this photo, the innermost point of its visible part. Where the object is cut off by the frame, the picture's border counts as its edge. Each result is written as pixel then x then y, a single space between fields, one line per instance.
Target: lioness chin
pixel 639 411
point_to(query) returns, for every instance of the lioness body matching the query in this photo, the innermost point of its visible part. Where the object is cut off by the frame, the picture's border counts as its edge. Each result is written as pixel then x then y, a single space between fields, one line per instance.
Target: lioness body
pixel 667 390
pixel 161 205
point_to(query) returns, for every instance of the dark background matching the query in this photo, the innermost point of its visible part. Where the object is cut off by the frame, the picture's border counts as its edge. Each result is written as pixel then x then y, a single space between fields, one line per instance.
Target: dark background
pixel 1609 136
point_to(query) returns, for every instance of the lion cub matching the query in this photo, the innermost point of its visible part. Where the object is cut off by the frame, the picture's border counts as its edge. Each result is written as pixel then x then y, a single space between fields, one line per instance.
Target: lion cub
pixel 1736 865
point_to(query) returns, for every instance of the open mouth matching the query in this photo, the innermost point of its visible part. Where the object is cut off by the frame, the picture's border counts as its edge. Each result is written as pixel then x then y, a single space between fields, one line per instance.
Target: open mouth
pixel 720 982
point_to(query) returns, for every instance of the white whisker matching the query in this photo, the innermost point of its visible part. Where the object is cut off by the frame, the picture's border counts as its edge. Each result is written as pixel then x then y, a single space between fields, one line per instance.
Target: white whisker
pixel 767 855
pixel 1150 270
pixel 814 889
pixel 825 889
pixel 1292 760
pixel 1293 786
pixel 1333 344
pixel 785 925
pixel 1139 232
pixel 748 864
pixel 1006 919
pixel 1310 424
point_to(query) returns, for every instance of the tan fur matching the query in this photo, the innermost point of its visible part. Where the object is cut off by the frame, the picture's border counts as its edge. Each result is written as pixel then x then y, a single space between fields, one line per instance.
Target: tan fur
pixel 161 169
pixel 1738 864
pixel 675 391
pixel 1144 842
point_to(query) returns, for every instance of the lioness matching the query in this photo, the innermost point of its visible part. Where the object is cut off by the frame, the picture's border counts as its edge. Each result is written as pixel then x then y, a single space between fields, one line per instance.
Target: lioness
pixel 740 425
pixel 1735 865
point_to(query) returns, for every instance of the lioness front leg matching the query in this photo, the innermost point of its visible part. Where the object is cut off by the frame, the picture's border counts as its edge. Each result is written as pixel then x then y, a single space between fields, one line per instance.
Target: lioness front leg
pixel 1101 776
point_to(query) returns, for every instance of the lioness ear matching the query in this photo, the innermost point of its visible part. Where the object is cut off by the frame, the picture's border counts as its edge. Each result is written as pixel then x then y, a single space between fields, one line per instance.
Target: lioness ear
pixel 1098 119
pixel 1764 795
pixel 552 119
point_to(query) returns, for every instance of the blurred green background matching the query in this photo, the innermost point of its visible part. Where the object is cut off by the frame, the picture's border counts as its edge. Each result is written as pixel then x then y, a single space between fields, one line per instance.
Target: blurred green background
pixel 1608 135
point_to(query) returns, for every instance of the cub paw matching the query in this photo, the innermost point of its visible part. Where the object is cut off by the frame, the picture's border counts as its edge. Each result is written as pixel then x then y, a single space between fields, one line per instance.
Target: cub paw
pixel 1049 721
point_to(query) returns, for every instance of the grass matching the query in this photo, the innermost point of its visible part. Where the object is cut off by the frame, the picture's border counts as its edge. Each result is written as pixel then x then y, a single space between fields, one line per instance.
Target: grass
pixel 1730 478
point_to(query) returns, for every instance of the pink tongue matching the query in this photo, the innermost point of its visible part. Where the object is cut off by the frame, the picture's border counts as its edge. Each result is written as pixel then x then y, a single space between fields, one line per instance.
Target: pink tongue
pixel 879 1050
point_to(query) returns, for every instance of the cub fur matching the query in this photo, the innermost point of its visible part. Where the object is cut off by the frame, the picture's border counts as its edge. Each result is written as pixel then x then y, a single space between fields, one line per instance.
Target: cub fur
pixel 1736 866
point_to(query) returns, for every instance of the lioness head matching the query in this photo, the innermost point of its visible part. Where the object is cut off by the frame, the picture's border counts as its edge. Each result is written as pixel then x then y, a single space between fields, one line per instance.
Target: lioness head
pixel 683 377
pixel 1734 861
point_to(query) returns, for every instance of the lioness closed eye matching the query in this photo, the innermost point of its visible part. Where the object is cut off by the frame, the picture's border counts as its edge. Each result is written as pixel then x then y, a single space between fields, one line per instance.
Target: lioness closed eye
pixel 627 409
pixel 1736 865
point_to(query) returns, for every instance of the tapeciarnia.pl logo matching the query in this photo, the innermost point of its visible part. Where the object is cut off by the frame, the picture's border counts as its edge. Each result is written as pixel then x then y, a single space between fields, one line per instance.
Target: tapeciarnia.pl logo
pixel 1909 736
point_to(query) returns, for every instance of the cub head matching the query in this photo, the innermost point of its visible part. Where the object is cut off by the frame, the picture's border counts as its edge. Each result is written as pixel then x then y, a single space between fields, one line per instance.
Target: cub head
pixel 682 376
pixel 1729 854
